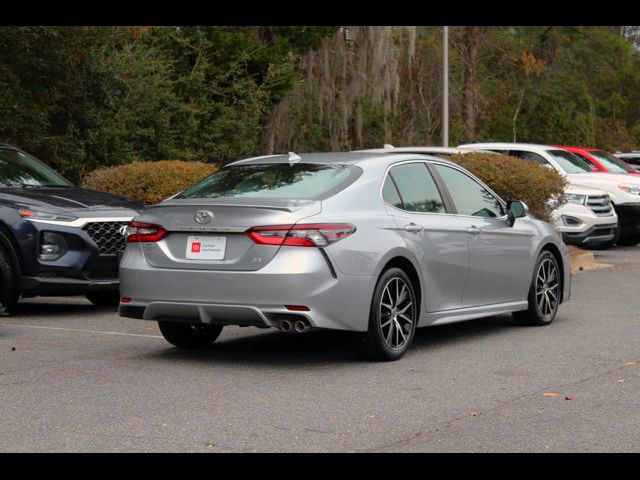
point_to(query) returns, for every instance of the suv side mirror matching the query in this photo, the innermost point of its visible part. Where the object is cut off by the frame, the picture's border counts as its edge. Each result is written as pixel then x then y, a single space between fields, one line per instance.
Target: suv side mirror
pixel 515 209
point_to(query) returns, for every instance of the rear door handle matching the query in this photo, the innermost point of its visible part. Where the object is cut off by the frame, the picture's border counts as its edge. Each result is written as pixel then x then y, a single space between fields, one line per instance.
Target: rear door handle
pixel 412 227
pixel 474 230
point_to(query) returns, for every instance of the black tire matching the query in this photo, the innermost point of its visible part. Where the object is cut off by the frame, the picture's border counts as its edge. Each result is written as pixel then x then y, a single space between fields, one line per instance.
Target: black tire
pixel 542 309
pixel 398 327
pixel 104 299
pixel 9 291
pixel 189 335
pixel 629 240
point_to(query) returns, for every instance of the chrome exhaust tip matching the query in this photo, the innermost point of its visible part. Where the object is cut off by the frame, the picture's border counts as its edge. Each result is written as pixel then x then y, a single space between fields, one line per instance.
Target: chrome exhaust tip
pixel 285 325
pixel 300 326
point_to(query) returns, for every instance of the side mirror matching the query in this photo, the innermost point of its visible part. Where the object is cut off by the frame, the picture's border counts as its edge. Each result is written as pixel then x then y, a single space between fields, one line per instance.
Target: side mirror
pixel 515 209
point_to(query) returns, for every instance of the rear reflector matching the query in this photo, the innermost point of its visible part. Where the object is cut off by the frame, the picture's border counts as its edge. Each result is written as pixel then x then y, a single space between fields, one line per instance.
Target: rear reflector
pixel 297 308
pixel 125 300
pixel 144 232
pixel 301 235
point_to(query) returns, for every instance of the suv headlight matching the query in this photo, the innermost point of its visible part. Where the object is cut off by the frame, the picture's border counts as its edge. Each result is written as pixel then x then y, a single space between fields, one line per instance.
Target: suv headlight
pixel 631 188
pixel 35 215
pixel 575 198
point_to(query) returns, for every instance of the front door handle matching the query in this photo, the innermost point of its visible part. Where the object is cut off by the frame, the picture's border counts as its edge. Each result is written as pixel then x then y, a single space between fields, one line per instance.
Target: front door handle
pixel 412 227
pixel 473 230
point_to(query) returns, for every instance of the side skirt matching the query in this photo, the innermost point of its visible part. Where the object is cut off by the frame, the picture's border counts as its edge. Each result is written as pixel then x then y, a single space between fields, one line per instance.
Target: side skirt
pixel 462 314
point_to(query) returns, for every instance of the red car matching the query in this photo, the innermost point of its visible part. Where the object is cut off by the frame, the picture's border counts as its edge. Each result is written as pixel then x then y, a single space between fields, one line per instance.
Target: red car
pixel 601 161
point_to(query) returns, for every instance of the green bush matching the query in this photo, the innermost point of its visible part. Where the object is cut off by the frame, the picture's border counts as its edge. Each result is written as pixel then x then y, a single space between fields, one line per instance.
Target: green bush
pixel 148 182
pixel 516 179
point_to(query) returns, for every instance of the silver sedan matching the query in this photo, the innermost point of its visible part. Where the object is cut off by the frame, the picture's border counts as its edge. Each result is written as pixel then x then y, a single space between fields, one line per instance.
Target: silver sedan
pixel 376 244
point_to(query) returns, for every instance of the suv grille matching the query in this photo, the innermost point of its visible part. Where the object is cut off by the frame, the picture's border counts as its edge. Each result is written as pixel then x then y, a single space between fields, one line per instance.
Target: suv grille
pixel 107 236
pixel 600 205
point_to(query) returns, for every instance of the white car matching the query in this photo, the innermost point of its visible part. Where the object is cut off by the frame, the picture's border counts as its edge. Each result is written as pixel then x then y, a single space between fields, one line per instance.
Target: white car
pixel 435 151
pixel 586 219
pixel 623 190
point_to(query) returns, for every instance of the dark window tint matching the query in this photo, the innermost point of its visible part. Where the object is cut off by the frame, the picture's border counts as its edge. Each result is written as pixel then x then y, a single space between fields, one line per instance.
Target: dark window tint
pixel 528 156
pixel 469 197
pixel 18 169
pixel 275 180
pixel 390 193
pixel 417 189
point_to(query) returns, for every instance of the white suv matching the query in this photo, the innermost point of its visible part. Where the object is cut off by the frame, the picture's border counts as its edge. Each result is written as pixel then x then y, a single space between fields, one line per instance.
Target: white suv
pixel 588 217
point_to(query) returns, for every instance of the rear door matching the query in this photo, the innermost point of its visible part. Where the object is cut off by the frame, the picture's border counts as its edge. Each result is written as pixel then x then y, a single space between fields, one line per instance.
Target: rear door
pixel 499 255
pixel 437 238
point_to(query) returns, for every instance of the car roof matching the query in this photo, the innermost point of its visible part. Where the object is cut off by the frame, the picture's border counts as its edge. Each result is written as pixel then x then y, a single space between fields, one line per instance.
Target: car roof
pixel 426 150
pixel 352 158
pixel 508 146
pixel 7 146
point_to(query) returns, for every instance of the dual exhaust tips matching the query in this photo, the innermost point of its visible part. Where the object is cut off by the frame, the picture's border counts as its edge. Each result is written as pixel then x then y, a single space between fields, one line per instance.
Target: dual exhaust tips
pixel 297 326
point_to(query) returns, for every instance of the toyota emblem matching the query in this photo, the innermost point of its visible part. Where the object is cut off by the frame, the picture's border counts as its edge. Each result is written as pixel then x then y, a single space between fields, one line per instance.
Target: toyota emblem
pixel 203 216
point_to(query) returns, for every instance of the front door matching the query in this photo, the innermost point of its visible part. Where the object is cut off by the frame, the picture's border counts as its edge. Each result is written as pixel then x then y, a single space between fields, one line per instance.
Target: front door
pixel 499 254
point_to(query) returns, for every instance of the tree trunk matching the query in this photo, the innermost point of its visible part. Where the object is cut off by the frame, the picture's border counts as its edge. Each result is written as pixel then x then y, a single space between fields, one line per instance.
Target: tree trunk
pixel 472 38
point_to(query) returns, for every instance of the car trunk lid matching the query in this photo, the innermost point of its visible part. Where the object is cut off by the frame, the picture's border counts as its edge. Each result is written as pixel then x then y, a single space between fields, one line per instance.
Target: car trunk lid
pixel 218 241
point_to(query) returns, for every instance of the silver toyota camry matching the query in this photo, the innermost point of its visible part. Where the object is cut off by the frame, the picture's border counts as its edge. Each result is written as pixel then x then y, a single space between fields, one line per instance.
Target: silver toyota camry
pixel 375 244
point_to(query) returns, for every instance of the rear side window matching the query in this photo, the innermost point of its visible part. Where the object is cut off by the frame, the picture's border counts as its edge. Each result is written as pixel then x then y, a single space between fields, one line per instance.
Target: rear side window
pixel 469 197
pixel 390 193
pixel 528 156
pixel 416 188
pixel 275 180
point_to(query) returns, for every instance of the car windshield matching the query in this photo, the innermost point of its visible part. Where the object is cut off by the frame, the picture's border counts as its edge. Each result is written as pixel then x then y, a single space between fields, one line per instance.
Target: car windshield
pixel 302 181
pixel 611 163
pixel 569 162
pixel 19 169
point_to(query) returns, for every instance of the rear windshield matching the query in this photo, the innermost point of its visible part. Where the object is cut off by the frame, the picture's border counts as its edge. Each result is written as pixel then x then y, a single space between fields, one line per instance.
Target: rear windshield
pixel 611 163
pixel 569 162
pixel 18 169
pixel 302 181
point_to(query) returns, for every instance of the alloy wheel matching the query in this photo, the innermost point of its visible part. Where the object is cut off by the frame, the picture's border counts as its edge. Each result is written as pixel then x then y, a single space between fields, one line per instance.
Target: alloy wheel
pixel 397 313
pixel 547 287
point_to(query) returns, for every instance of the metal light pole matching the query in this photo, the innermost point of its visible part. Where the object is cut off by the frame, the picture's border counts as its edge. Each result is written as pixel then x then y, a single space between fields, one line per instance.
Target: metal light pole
pixel 445 86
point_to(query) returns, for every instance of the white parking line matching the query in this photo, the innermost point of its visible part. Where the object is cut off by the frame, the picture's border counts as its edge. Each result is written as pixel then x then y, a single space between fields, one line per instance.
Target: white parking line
pixel 81 330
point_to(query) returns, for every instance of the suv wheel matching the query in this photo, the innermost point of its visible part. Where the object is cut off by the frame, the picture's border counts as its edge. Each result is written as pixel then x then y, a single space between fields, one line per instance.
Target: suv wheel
pixel 9 292
pixel 544 294
pixel 104 299
pixel 392 318
pixel 189 335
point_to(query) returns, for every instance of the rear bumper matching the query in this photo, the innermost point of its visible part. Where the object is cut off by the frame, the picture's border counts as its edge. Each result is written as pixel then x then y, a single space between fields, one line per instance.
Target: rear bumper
pixel 32 286
pixel 295 276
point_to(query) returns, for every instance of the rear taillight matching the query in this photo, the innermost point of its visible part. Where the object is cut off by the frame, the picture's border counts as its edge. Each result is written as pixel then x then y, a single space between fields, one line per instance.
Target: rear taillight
pixel 144 232
pixel 309 235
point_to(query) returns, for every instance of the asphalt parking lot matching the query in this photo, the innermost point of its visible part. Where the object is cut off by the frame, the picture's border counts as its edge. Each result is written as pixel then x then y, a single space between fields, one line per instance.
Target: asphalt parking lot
pixel 74 377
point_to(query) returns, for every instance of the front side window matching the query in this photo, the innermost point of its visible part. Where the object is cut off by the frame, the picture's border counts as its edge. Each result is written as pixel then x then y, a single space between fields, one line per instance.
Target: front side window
pixel 418 192
pixel 611 163
pixel 18 169
pixel 301 181
pixel 569 162
pixel 469 197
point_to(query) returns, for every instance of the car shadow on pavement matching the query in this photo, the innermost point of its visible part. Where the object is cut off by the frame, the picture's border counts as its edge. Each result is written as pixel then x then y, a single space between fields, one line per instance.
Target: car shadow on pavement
pixel 275 348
